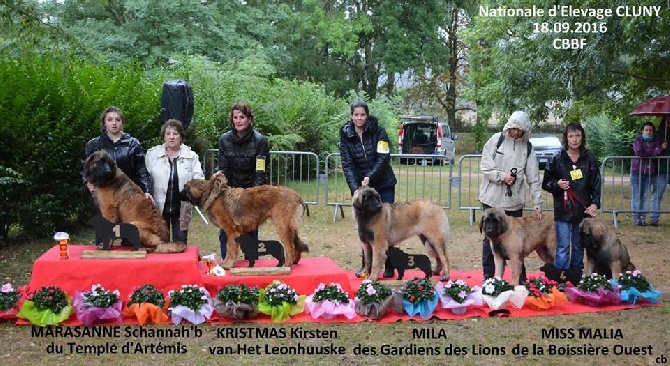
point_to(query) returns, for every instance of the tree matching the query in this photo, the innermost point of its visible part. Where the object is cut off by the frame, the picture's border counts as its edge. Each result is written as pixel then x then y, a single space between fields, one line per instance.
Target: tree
pixel 514 62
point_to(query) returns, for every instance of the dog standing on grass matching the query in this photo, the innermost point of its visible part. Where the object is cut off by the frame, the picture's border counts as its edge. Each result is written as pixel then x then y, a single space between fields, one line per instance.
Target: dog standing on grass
pixel 240 210
pixel 514 238
pixel 383 225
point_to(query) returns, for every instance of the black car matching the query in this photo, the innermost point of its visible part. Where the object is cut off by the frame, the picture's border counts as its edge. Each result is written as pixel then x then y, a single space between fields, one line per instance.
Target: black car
pixel 546 146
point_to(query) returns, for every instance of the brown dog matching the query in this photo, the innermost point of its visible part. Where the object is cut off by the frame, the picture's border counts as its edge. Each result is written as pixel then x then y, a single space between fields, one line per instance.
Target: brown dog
pixel 383 225
pixel 240 210
pixel 514 238
pixel 122 201
pixel 605 253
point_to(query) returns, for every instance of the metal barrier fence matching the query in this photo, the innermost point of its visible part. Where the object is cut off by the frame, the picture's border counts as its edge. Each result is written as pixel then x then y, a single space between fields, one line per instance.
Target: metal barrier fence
pixel 297 170
pixel 469 179
pixel 418 179
pixel 617 189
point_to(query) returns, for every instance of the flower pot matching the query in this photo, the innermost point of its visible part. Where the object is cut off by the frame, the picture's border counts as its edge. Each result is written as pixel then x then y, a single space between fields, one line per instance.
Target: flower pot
pixel 459 310
pixel 373 311
pixel 237 310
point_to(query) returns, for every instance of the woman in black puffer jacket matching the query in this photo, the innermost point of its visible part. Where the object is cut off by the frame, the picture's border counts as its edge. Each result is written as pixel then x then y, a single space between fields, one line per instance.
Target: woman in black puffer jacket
pixel 243 156
pixel 366 159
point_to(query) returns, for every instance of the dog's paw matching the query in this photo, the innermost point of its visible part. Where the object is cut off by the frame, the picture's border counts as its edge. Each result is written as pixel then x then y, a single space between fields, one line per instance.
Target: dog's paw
pixel 228 263
pixel 444 277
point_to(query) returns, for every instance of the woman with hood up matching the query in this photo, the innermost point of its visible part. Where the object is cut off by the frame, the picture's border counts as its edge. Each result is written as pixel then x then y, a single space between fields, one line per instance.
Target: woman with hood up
pixel 508 164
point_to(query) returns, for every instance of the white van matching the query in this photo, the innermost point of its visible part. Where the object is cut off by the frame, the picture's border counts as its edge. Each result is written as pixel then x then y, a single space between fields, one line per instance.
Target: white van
pixel 426 135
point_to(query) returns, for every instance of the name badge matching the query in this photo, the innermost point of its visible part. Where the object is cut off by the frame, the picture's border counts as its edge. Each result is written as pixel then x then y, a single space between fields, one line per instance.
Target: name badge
pixel 576 174
pixel 260 163
pixel 383 147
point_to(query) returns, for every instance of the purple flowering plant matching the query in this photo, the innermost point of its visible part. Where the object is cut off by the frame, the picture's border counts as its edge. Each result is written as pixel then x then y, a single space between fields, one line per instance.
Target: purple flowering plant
pixel 99 297
pixel 332 292
pixel 278 293
pixel 8 297
pixel 634 279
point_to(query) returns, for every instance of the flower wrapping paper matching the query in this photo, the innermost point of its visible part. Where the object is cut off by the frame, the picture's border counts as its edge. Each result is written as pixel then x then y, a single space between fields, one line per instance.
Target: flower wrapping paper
pixel 180 312
pixel 516 297
pixel 424 308
pixel 284 311
pixel 545 302
pixel 235 310
pixel 146 312
pixel 597 298
pixel 329 309
pixel 91 314
pixel 43 318
pixel 632 294
pixel 474 298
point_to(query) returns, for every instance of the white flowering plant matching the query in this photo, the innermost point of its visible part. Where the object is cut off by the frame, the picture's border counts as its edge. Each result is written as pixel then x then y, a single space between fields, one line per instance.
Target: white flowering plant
pixel 190 296
pixel 278 293
pixel 494 286
pixel 372 292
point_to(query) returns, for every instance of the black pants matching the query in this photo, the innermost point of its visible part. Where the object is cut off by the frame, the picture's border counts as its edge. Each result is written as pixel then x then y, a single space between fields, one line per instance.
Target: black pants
pixel 488 263
pixel 223 240
pixel 178 235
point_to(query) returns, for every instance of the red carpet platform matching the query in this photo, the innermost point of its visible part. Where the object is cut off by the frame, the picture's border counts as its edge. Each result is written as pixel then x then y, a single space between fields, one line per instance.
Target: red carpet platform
pixel 170 271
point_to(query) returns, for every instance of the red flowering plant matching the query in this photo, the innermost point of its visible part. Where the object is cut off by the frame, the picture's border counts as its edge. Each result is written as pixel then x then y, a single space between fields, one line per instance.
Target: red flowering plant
pixel 49 305
pixel 419 297
pixel 543 294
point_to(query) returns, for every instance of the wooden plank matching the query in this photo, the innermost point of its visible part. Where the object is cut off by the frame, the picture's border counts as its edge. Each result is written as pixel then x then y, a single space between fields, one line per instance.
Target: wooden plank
pixel 113 254
pixel 259 271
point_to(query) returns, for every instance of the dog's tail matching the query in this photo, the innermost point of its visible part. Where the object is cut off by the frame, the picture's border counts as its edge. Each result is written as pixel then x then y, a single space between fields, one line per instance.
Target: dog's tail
pixel 300 245
pixel 170 247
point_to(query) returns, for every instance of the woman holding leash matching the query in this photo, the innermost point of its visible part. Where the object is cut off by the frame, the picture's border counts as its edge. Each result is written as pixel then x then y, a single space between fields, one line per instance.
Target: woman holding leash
pixel 172 164
pixel 573 179
pixel 366 160
pixel 243 156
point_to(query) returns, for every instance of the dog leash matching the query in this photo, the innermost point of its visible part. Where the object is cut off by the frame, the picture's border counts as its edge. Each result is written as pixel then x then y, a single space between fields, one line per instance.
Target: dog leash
pixel 201 215
pixel 569 196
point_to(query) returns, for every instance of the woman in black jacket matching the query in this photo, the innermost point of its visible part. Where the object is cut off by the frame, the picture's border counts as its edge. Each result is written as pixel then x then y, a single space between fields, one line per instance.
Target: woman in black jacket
pixel 366 159
pixel 124 149
pixel 573 179
pixel 243 154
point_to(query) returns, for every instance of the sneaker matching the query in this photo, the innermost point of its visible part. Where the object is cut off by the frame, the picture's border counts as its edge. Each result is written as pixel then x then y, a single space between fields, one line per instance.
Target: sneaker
pixel 653 222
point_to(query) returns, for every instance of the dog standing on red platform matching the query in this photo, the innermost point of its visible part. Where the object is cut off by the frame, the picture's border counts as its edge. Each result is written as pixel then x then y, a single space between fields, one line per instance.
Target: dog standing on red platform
pixel 122 201
pixel 240 210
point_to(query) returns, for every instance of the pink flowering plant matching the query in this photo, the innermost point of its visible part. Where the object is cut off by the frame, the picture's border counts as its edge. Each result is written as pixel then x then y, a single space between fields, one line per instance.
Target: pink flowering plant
pixel 457 290
pixel 332 292
pixel 100 298
pixel 372 292
pixel 594 281
pixel 634 279
pixel 280 301
pixel 278 293
pixel 9 297
pixel 97 305
pixel 329 301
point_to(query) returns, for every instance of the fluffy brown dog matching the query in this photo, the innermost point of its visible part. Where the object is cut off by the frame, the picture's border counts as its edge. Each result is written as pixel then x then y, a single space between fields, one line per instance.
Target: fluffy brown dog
pixel 383 225
pixel 122 201
pixel 514 238
pixel 605 253
pixel 240 210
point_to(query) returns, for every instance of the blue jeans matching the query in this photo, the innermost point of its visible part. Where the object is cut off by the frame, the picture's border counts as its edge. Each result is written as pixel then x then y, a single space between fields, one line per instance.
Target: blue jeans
pixel 387 195
pixel 659 184
pixel 569 251
pixel 640 185
pixel 223 239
